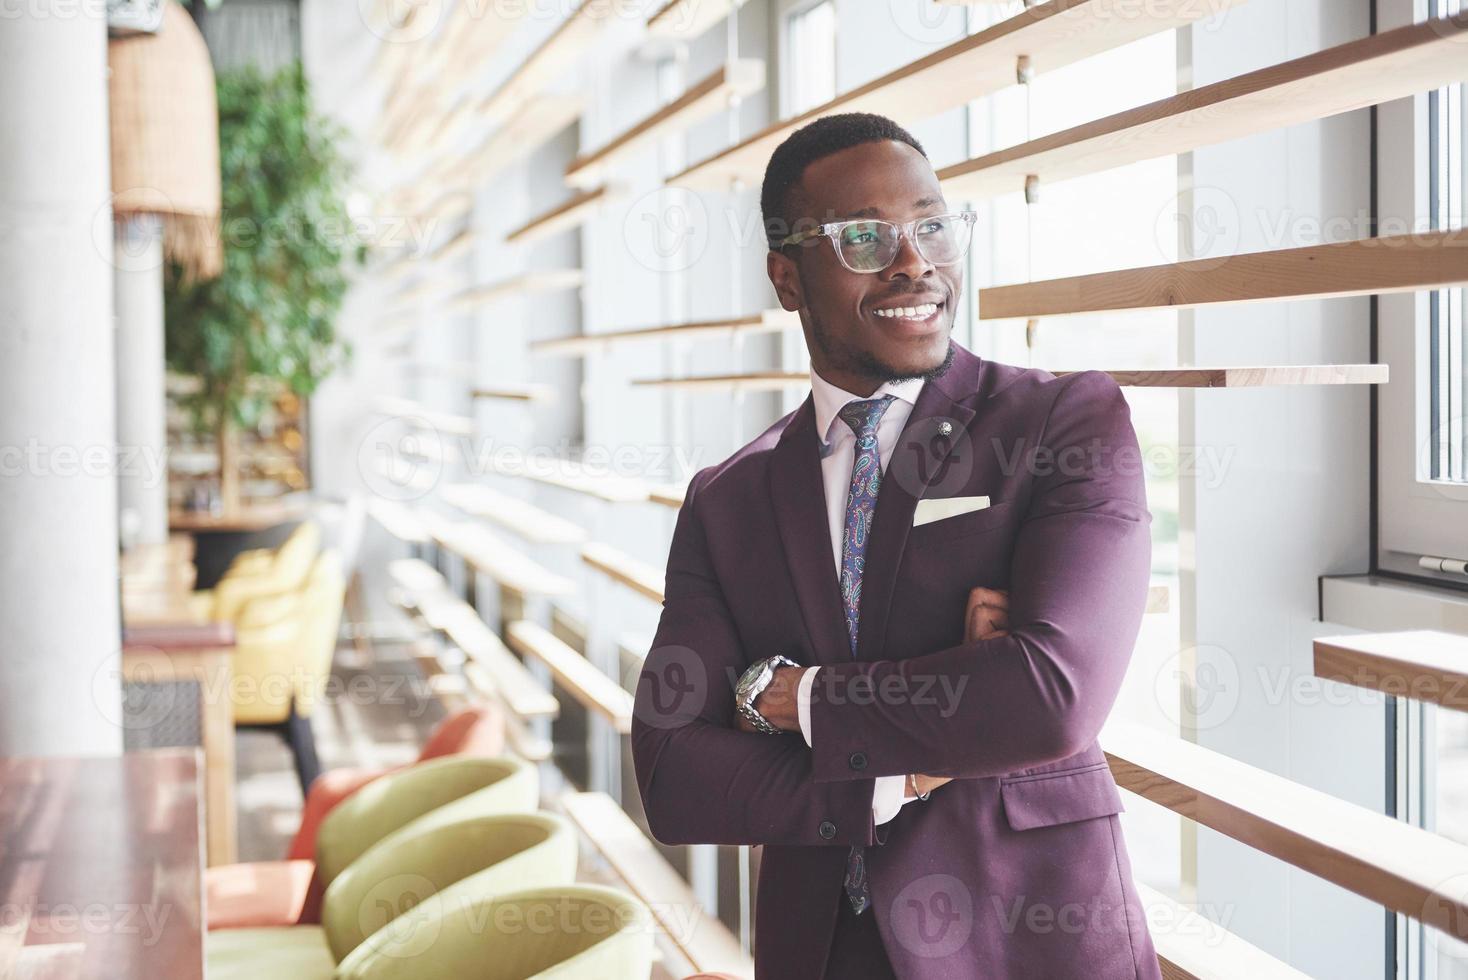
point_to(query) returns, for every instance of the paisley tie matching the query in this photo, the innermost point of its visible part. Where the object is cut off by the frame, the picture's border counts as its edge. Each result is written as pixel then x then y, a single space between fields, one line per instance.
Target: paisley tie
pixel 861 503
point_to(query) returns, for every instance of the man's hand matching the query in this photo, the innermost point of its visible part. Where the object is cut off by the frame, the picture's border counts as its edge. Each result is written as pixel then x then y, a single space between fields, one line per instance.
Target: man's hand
pixel 987 615
pixel 777 702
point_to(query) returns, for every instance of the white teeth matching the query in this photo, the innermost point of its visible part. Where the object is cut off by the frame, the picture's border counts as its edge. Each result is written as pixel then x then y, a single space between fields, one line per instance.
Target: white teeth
pixel 910 312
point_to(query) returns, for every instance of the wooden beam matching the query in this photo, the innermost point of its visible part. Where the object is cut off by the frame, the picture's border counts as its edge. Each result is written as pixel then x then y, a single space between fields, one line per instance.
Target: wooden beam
pixel 705 941
pixel 1399 263
pixel 491 556
pixel 1424 665
pixel 731 81
pixel 544 280
pixel 639 576
pixel 766 321
pixel 1192 947
pixel 568 214
pixel 686 19
pixel 1232 377
pixel 1402 867
pixel 591 688
pixel 1370 71
pixel 524 519
pixel 1050 35
pixel 517 393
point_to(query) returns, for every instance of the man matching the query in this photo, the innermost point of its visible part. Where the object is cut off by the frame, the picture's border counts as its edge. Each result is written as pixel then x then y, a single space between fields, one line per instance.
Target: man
pixel 951 556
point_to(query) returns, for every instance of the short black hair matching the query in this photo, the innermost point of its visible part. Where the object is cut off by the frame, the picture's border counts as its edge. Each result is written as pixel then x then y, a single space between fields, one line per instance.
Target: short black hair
pixel 809 143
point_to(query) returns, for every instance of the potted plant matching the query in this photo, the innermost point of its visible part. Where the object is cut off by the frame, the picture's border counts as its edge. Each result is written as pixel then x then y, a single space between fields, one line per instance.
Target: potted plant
pixel 268 321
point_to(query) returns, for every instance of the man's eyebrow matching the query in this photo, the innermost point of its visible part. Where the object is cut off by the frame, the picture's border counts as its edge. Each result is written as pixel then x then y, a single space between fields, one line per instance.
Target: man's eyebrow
pixel 922 202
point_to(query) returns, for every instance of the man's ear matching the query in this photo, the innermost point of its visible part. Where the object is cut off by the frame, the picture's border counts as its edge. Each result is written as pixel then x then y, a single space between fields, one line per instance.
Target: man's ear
pixel 786 280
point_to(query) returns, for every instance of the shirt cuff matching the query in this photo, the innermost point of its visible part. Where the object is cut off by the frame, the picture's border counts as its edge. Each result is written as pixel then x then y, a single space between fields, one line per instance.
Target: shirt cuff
pixel 802 702
pixel 888 796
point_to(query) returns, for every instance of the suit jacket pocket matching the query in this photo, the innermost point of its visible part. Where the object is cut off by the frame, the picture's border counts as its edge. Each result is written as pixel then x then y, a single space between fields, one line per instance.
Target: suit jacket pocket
pixel 1049 798
pixel 974 522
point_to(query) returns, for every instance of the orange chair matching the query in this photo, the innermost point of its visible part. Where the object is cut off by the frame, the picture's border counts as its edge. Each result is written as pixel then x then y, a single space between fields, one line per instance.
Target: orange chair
pixel 282 893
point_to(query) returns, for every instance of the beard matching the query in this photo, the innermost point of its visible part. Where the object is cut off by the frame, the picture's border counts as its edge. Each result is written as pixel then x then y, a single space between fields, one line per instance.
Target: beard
pixel 866 364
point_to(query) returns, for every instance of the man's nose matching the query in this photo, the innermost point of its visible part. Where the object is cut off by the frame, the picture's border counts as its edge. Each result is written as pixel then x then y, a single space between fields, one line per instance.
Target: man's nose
pixel 909 263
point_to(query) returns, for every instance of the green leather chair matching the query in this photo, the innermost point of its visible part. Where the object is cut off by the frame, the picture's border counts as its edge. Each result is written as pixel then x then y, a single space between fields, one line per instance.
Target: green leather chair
pixel 275 893
pixel 571 932
pixel 445 863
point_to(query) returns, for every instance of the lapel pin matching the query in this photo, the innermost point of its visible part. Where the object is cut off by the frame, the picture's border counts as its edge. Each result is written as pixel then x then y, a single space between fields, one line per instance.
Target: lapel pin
pixel 945 428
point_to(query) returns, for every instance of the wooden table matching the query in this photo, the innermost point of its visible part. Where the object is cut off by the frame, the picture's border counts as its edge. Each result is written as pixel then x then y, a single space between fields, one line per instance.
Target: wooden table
pixel 101 867
pixel 163 642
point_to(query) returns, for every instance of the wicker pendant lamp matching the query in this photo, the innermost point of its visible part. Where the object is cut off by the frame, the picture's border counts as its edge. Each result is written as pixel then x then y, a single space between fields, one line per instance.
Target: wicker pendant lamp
pixel 165 138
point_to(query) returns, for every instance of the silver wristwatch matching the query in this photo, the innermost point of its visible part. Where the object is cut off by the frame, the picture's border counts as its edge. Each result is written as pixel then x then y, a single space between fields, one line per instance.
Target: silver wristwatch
pixel 752 683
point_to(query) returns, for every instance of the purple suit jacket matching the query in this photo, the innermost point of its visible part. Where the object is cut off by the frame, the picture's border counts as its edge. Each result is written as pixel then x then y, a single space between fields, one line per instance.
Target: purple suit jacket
pixel 1016 869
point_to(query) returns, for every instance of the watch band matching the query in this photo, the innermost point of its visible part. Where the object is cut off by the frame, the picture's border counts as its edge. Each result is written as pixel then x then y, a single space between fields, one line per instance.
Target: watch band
pixel 752 684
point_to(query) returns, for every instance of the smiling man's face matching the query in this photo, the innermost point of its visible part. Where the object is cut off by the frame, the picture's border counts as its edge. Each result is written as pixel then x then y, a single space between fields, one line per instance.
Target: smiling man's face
pixel 853 345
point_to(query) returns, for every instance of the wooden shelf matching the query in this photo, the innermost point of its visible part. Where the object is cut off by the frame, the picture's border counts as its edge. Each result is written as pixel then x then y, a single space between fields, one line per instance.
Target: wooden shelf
pixel 546 280
pixel 1051 35
pixel 538 120
pixel 570 475
pixel 397 520
pixel 704 941
pixel 524 519
pixel 705 97
pixel 1402 867
pixel 1424 665
pixel 552 61
pixel 1375 69
pixel 1399 263
pixel 767 321
pixel 490 556
pixel 457 245
pixel 686 19
pixel 591 688
pixel 1193 947
pixel 567 214
pixel 416 414
pixel 669 495
pixel 639 576
pixel 518 393
pixel 1231 377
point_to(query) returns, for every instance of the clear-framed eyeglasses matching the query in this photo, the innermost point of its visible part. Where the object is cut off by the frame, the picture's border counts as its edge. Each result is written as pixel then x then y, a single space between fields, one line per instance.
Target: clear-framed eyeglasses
pixel 868 245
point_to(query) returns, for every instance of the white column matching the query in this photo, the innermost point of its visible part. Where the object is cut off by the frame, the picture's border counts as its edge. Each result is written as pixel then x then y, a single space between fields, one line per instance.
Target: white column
pixel 59 689
pixel 142 478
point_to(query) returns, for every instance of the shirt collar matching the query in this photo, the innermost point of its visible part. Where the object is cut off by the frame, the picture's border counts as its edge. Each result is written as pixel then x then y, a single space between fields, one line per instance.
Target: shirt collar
pixel 830 399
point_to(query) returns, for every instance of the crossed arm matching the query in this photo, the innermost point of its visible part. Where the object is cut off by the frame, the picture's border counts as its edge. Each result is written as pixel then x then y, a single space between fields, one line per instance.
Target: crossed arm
pixel 1037 694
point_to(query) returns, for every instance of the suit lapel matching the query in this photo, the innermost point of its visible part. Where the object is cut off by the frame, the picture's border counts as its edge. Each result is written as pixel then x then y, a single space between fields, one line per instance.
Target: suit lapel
pixel 799 497
pixel 924 454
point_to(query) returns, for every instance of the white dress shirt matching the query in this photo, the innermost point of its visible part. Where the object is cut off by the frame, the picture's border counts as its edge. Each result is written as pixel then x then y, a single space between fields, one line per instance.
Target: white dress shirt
pixel 838 454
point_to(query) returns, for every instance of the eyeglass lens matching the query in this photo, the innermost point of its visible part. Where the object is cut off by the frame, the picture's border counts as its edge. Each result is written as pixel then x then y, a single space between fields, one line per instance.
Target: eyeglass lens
pixel 871 246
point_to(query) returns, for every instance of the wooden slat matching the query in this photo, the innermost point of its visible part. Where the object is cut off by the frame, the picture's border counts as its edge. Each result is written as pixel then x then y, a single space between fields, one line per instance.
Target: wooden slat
pixel 545 280
pixel 1159 599
pixel 568 214
pixel 516 393
pixel 766 321
pixel 567 474
pixel 1404 868
pixel 539 119
pixel 1192 947
pixel 736 79
pixel 1372 70
pixel 638 576
pixel 524 519
pixel 414 413
pixel 705 941
pixel 416 576
pixel 1424 665
pixel 589 686
pixel 554 59
pixel 1051 35
pixel 1229 377
pixel 397 520
pixel 492 557
pixel 521 740
pixel 1394 264
pixel 669 495
pixel 686 19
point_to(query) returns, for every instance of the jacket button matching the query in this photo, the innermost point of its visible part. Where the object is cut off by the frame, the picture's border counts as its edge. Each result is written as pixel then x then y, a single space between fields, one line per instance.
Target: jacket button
pixel 827 829
pixel 858 761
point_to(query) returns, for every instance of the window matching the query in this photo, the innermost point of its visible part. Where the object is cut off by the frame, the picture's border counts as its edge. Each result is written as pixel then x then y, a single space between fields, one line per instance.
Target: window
pixel 1449 357
pixel 811 57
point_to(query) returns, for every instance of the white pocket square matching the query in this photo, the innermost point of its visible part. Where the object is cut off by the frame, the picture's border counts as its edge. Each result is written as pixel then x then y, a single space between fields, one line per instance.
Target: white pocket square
pixel 941 508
